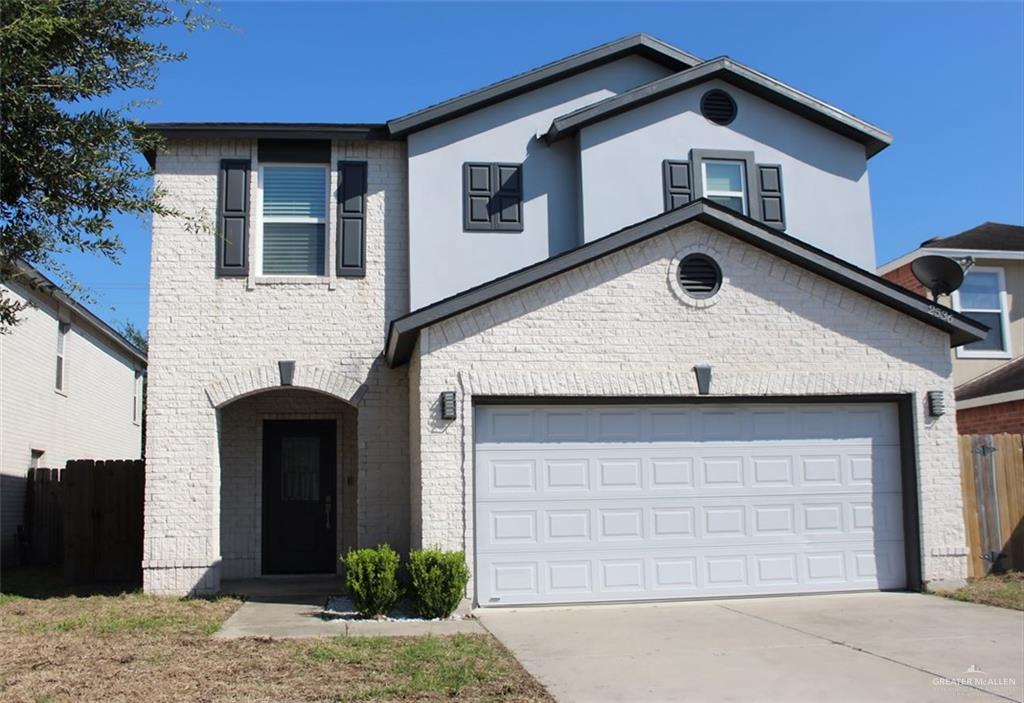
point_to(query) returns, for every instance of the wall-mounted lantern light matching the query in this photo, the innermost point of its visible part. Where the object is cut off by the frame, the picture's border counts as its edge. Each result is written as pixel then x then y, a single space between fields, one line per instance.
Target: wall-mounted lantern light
pixel 936 403
pixel 703 372
pixel 448 405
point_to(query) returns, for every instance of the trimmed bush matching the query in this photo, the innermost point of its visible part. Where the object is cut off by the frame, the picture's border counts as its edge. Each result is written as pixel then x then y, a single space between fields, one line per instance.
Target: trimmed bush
pixel 438 581
pixel 371 577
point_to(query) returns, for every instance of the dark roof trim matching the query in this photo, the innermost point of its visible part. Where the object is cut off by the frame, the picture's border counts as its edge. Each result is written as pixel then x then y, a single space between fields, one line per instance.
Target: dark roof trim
pixel 1004 379
pixel 639 44
pixel 404 331
pixel 266 130
pixel 754 82
pixel 30 278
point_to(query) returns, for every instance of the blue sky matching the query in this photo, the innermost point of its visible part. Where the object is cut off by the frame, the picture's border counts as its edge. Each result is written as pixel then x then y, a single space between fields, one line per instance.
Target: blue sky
pixel 946 79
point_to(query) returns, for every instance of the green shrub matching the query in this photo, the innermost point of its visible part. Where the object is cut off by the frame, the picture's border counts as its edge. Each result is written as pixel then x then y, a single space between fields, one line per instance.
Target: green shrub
pixel 438 581
pixel 371 577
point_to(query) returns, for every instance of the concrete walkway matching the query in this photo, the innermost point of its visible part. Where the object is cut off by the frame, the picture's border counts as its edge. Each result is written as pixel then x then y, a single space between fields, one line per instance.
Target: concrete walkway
pixel 850 647
pixel 291 607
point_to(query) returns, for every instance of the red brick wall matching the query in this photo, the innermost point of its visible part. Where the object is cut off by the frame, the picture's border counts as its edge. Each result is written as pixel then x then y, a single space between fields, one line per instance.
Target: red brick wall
pixel 992 419
pixel 904 277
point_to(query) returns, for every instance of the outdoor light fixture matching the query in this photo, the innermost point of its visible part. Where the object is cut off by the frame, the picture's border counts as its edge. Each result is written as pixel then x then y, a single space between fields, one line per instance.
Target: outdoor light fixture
pixel 448 405
pixel 287 369
pixel 936 403
pixel 703 372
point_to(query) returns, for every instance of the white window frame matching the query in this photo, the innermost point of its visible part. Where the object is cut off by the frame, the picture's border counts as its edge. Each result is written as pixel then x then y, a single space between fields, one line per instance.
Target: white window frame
pixel 137 398
pixel 260 219
pixel 1004 318
pixel 63 330
pixel 741 194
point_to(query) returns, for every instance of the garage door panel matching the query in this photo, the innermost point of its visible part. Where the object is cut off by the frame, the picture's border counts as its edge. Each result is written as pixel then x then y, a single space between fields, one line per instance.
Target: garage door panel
pixel 577 504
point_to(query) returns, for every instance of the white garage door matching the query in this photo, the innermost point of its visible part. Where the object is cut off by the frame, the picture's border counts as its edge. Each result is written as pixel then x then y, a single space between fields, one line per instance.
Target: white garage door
pixel 609 502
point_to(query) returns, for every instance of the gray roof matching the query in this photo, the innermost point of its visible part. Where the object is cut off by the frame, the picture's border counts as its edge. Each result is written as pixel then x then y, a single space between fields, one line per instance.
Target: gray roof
pixel 725 69
pixel 638 44
pixel 1003 379
pixel 990 235
pixel 404 331
pixel 32 279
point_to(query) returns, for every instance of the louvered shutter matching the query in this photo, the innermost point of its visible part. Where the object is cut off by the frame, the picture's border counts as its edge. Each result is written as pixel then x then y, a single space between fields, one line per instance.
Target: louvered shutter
pixel 769 181
pixel 233 218
pixel 351 249
pixel 678 184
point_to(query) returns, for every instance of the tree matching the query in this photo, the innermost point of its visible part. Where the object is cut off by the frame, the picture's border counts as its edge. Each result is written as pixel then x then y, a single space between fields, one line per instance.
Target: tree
pixel 67 164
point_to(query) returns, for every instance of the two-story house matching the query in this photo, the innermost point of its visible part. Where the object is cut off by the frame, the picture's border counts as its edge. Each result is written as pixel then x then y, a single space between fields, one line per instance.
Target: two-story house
pixel 610 326
pixel 70 388
pixel 988 374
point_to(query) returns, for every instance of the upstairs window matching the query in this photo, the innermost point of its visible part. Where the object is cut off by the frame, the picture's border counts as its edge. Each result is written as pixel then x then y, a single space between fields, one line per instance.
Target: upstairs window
pixel 982 297
pixel 725 183
pixel 62 332
pixel 492 197
pixel 294 241
pixel 137 398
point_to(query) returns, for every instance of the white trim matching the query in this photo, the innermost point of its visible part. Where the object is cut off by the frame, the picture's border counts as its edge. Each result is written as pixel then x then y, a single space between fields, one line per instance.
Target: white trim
pixel 1003 312
pixel 952 253
pixel 741 193
pixel 994 399
pixel 259 219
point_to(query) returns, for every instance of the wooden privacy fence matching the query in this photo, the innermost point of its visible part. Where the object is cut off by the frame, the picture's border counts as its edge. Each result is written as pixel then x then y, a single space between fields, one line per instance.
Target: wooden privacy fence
pixel 88 516
pixel 992 478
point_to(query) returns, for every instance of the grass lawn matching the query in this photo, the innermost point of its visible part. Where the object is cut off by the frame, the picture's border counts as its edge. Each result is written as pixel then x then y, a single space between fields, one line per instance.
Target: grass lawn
pixel 133 647
pixel 1005 591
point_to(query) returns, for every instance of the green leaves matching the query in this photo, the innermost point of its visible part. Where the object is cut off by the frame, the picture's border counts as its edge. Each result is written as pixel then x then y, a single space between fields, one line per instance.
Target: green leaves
pixel 67 166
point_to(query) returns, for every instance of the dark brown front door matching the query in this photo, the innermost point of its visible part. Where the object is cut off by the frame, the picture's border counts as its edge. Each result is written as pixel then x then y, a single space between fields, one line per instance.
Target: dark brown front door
pixel 299 474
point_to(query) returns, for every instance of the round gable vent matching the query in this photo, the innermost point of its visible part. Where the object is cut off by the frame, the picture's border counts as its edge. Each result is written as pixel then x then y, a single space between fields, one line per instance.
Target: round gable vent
pixel 699 276
pixel 718 106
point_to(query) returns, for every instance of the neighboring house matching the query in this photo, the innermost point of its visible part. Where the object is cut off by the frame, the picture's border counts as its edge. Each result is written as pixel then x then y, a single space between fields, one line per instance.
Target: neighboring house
pixel 988 374
pixel 70 388
pixel 609 326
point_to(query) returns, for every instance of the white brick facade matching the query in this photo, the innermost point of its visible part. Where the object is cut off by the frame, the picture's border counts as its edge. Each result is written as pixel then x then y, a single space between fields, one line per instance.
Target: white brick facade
pixel 215 339
pixel 617 327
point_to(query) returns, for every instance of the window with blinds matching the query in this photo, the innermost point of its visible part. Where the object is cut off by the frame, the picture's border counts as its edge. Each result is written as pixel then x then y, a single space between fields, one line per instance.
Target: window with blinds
pixel 294 220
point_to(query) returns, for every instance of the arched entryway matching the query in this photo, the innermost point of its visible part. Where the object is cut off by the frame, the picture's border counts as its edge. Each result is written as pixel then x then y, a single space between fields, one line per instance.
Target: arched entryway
pixel 289 466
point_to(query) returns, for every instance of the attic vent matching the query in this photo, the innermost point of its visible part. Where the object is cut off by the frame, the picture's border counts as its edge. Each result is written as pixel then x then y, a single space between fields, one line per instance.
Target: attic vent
pixel 718 106
pixel 699 276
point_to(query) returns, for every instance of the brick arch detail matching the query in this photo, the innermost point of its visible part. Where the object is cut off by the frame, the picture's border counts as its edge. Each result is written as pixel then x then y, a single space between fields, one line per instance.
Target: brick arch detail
pixel 322 379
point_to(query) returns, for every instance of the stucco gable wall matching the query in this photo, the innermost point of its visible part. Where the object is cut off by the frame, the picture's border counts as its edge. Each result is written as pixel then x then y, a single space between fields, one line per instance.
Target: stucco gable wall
pixel 616 327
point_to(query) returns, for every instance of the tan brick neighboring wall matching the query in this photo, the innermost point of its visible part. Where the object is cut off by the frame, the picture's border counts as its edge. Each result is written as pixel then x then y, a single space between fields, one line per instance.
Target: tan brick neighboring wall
pixel 208 335
pixel 617 327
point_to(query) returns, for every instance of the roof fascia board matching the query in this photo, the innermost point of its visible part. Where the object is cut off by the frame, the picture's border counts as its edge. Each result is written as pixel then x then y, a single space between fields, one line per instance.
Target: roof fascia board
pixel 256 130
pixel 951 253
pixel 35 282
pixel 994 399
pixel 403 331
pixel 640 44
pixel 744 77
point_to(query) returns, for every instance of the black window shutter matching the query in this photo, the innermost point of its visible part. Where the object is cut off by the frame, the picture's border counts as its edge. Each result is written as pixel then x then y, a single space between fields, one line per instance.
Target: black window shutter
pixel 351 254
pixel 477 190
pixel 769 182
pixel 507 200
pixel 678 184
pixel 233 218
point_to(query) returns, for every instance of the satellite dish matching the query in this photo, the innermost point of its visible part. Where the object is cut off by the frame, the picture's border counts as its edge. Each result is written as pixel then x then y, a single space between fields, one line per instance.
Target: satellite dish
pixel 939 274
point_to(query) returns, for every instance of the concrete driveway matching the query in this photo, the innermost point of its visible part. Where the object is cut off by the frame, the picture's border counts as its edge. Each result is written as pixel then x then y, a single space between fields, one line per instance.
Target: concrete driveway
pixel 851 647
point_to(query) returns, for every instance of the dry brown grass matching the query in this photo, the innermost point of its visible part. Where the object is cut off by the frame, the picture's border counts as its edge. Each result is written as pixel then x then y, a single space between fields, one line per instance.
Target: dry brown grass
pixel 134 647
pixel 1003 591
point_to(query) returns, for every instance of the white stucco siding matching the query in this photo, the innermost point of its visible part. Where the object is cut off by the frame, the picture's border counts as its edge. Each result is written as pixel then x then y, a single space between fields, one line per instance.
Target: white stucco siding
pixel 92 418
pixel 825 178
pixel 447 260
pixel 616 327
pixel 213 339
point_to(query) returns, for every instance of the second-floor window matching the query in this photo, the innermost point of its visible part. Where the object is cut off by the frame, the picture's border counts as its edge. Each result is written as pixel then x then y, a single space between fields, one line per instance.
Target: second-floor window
pixel 294 217
pixel 982 297
pixel 724 183
pixel 62 332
